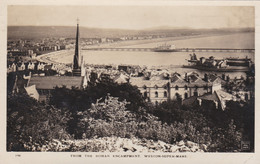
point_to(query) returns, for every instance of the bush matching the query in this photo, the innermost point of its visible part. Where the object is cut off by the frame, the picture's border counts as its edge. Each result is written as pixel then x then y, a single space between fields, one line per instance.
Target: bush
pixel 90 113
pixel 80 100
pixel 30 124
pixel 110 118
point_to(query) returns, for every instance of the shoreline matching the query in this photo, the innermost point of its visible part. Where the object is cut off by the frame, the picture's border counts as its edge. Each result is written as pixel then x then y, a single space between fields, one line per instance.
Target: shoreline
pixel 48 57
pixel 122 44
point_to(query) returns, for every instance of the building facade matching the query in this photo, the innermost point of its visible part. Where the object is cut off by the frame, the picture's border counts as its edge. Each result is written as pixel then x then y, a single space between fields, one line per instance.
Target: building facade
pixel 159 90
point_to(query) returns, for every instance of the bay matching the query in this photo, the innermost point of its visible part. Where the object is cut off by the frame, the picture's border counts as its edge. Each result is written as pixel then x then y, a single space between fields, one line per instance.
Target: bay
pixel 164 59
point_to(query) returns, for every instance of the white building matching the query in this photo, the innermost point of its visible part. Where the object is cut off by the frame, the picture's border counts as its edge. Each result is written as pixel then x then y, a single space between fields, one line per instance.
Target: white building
pixel 158 89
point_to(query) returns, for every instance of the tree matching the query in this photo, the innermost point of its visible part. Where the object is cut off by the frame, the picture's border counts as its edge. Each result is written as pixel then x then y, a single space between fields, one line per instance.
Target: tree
pixel 226 139
pixel 31 125
pixel 80 100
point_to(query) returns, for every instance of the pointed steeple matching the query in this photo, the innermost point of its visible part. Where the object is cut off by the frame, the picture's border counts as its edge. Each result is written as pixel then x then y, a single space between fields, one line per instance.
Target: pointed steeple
pixel 76 61
pixel 77 58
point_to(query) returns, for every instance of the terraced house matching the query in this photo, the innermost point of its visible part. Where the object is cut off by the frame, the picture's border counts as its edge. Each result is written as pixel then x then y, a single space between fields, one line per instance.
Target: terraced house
pixel 158 89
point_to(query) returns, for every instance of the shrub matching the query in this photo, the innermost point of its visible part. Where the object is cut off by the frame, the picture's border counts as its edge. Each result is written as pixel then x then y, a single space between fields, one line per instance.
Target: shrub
pixel 110 118
pixel 30 124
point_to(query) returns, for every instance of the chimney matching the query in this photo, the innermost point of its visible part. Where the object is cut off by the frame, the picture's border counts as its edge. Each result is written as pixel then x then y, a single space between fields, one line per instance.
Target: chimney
pixel 202 60
pixel 199 101
pixel 206 78
pixel 223 76
pixel 228 78
pixel 186 77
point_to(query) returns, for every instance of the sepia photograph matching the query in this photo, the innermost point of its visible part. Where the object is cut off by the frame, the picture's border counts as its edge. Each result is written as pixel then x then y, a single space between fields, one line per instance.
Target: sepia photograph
pixel 135 79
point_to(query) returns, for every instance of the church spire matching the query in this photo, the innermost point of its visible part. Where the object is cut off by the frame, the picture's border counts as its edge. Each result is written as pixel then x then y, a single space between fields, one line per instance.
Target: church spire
pixel 77 58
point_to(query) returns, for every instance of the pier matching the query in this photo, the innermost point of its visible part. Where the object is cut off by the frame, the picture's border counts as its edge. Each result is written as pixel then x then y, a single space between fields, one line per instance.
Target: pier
pixel 175 50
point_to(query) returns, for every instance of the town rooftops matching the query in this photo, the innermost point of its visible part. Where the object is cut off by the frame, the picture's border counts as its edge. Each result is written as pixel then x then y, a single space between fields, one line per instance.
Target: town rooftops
pixel 195 78
pixel 177 79
pixel 192 80
pixel 210 96
pixel 50 82
pixel 214 78
pixel 219 96
pixel 121 78
pixel 140 82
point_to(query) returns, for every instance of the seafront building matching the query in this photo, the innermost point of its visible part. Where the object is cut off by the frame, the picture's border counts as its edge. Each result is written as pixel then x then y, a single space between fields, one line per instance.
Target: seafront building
pixel 158 89
pixel 189 89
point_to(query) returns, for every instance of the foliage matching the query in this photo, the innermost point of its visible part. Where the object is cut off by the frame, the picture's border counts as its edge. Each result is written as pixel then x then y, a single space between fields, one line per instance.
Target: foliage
pixel 30 124
pixel 96 112
pixel 242 114
pixel 172 111
pixel 110 118
pixel 208 126
pixel 79 100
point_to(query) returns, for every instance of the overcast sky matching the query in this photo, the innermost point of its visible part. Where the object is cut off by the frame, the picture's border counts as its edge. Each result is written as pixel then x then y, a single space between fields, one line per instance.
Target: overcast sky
pixel 133 17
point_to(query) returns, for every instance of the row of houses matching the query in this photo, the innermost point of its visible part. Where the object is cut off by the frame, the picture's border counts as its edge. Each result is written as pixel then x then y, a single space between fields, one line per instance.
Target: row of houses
pixel 39 67
pixel 189 90
pixel 157 89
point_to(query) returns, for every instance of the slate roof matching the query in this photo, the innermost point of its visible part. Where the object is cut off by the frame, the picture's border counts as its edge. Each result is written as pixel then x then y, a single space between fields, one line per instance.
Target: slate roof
pixel 215 79
pixel 140 82
pixel 219 96
pixel 160 77
pixel 121 78
pixel 177 79
pixel 197 81
pixel 47 67
pixel 50 82
pixel 224 95
pixel 190 101
pixel 209 96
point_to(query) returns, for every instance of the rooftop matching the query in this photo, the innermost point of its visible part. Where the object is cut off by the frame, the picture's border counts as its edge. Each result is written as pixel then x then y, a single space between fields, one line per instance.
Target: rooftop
pixel 50 82
pixel 140 82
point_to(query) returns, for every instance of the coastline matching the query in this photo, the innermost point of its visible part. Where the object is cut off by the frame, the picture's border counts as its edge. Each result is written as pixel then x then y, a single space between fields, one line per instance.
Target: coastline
pixel 127 43
pixel 52 56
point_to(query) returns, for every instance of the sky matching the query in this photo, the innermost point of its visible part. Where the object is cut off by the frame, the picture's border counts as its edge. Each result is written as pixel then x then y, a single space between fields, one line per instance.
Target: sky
pixel 133 17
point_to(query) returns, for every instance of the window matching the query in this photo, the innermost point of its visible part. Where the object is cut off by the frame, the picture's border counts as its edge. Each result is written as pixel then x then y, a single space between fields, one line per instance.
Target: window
pixel 156 103
pixel 165 87
pixel 145 95
pixel 186 95
pixel 156 94
pixel 165 94
pixel 176 87
pixel 195 93
pixel 205 87
pixel 196 87
pixel 186 87
pixel 246 96
pixel 178 96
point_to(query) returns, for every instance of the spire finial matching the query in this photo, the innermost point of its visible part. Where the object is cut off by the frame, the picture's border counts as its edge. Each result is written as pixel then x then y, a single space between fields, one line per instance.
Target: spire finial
pixel 77 20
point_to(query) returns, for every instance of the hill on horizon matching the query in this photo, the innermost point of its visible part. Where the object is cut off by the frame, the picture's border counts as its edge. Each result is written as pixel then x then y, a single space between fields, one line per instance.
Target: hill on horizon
pixel 36 32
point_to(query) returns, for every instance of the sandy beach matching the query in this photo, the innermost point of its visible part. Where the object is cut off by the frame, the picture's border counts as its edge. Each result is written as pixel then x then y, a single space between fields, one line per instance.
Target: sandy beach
pixel 129 43
pixel 243 40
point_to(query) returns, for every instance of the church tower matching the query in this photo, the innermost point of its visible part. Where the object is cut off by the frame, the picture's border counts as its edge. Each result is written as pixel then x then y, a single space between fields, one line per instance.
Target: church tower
pixel 77 59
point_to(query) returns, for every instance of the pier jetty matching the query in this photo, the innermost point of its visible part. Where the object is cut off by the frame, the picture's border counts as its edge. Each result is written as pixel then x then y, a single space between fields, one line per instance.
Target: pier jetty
pixel 176 50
